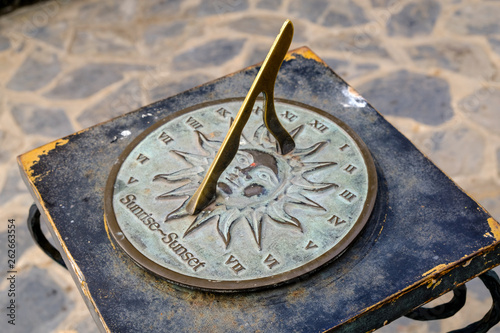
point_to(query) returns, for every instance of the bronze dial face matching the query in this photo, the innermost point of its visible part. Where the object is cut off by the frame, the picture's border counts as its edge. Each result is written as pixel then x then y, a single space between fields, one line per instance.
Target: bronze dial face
pixel 274 218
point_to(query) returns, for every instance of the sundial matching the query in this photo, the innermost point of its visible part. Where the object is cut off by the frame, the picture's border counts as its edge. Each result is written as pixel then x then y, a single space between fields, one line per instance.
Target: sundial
pixel 279 209
pixel 260 201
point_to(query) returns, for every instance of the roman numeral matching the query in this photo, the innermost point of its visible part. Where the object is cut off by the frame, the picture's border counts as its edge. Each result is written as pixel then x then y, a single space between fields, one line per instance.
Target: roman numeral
pixel 142 158
pixel 193 123
pixel 258 110
pixel 344 147
pixel 165 138
pixel 311 245
pixel 132 180
pixel 349 196
pixel 336 220
pixel 289 116
pixel 350 169
pixel 271 261
pixel 316 124
pixel 237 267
pixel 223 112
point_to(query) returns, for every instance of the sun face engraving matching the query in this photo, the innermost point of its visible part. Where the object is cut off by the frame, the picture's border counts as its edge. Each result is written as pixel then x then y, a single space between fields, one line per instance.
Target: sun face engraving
pixel 257 186
pixel 274 217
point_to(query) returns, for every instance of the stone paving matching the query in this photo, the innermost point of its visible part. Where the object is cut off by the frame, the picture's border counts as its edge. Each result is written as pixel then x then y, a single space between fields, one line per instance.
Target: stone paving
pixel 432 68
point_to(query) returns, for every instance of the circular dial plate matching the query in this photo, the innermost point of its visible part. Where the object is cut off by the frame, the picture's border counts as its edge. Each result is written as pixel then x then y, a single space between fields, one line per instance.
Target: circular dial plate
pixel 275 217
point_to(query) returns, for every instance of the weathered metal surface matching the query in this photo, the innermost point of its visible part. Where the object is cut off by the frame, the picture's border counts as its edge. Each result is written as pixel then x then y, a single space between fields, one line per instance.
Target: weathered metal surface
pixel 424 236
pixel 274 216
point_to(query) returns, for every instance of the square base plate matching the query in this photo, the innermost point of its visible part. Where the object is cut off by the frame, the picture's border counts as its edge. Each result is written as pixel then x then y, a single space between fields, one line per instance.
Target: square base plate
pixel 424 237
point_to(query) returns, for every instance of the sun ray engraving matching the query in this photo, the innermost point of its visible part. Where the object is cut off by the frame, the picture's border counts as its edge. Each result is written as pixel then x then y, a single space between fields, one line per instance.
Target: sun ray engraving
pixel 258 187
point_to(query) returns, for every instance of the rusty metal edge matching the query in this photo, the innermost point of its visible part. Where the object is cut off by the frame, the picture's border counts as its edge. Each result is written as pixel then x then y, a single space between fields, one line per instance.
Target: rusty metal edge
pixel 444 272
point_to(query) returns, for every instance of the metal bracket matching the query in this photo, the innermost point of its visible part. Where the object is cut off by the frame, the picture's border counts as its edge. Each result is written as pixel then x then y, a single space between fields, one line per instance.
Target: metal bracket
pixel 491 281
pixel 39 237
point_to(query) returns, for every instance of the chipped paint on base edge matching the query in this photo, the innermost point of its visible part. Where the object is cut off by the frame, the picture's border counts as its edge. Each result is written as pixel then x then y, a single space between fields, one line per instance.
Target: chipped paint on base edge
pixel 65 253
pixel 435 269
pixel 495 228
pixel 29 159
pixel 440 269
pixel 305 52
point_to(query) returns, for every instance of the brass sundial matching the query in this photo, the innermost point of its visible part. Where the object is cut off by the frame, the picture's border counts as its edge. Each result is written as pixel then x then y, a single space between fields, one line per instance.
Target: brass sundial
pixel 241 194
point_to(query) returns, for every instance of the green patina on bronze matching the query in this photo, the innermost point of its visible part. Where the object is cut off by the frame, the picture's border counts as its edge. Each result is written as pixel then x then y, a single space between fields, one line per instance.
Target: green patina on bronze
pixel 274 217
